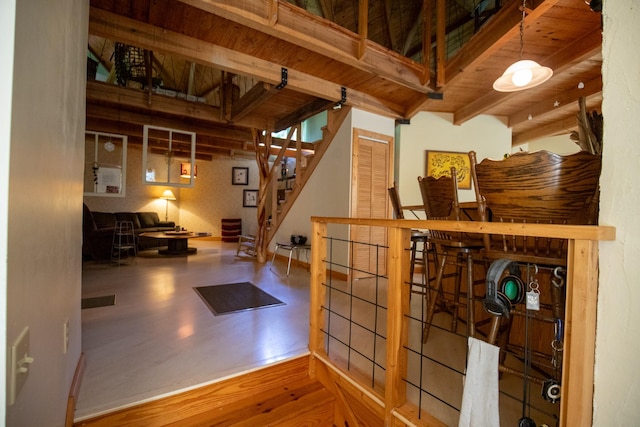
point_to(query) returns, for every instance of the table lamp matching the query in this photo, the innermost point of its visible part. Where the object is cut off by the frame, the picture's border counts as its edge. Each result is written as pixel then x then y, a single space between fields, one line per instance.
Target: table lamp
pixel 167 195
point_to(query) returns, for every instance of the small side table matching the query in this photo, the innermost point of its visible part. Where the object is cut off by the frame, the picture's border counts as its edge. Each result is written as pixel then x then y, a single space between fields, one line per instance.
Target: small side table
pixel 289 247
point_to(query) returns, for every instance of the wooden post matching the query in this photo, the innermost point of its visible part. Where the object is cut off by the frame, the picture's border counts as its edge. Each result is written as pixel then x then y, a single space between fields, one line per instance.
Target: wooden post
pixel 318 290
pixel 397 334
pixel 579 334
pixel 262 158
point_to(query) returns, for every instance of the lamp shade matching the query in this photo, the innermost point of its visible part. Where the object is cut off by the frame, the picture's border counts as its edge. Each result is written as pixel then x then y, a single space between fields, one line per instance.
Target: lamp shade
pixel 185 170
pixel 168 195
pixel 522 75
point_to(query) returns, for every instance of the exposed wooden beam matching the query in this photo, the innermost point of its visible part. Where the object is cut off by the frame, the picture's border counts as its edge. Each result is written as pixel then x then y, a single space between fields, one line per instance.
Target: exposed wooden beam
pixel 363 27
pixel 136 99
pixel 588 46
pixel 426 41
pixel 273 12
pixel 564 100
pixel 302 114
pixel 557 128
pixel 327 11
pixel 192 73
pixel 251 100
pixel 441 42
pixel 318 35
pixel 387 19
pixel 117 114
pixel 137 33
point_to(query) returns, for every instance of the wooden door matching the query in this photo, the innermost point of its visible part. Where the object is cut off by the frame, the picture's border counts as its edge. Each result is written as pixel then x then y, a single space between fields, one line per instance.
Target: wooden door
pixel 371 172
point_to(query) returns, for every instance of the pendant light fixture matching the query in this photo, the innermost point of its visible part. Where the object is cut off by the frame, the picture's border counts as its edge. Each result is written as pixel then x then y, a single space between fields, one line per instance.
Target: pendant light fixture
pixel 525 73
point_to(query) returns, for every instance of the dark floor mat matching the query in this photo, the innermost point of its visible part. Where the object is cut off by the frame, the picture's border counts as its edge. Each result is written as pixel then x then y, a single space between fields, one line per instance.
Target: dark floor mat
pixel 234 297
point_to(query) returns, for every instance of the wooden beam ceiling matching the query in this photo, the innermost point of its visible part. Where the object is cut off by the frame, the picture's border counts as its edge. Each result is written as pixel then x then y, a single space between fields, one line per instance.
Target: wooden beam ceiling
pixel 293 25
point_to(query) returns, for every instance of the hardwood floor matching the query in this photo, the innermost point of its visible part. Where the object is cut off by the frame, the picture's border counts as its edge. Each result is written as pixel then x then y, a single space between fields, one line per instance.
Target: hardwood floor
pixel 160 338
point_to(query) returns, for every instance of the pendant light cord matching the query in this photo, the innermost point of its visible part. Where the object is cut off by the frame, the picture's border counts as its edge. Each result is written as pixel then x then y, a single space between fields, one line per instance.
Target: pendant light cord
pixel 524 8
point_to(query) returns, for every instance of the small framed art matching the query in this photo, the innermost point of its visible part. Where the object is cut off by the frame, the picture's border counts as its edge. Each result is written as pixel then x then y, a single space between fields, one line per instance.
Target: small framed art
pixel 240 176
pixel 249 198
pixel 439 164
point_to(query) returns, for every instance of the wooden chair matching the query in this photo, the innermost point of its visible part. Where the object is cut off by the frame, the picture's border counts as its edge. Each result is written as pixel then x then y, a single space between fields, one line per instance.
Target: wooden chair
pixel 440 199
pixel 540 188
pixel 420 246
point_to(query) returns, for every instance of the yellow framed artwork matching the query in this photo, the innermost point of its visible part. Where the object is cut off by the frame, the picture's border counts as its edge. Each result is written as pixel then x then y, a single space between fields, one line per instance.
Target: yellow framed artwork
pixel 439 164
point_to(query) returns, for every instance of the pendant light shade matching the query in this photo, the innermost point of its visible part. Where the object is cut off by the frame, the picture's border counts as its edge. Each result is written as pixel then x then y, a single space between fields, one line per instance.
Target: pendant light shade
pixel 525 73
pixel 522 75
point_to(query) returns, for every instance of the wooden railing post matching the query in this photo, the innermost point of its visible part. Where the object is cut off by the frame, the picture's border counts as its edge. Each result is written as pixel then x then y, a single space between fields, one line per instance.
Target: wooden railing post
pixel 397 334
pixel 579 334
pixel 317 291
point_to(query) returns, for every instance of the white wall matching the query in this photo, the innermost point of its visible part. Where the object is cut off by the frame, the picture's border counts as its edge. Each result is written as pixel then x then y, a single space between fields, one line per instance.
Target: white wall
pixel 45 197
pixel 199 208
pixel 328 191
pixel 487 136
pixel 7 28
pixel 617 389
pixel 560 144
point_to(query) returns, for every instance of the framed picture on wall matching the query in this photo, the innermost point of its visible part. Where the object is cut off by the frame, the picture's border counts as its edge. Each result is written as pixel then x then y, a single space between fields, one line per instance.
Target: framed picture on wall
pixel 250 198
pixel 240 176
pixel 439 164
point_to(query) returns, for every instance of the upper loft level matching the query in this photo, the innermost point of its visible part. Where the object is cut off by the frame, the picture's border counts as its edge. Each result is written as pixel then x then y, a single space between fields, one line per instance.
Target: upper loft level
pixel 229 68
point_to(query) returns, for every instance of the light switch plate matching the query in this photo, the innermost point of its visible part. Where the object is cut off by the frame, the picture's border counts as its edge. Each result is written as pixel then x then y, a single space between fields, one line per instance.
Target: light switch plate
pixel 20 364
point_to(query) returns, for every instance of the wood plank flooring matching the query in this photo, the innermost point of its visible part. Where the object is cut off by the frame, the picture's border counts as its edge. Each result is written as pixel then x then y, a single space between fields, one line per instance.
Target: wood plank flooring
pixel 160 338
pixel 282 394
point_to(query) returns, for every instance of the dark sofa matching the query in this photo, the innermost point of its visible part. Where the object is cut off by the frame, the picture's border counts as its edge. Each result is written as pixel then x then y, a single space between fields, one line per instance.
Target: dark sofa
pixel 98 227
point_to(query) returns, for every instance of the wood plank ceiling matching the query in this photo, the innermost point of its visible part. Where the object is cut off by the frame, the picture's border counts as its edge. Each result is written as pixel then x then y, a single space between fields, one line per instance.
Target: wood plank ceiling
pixel 223 67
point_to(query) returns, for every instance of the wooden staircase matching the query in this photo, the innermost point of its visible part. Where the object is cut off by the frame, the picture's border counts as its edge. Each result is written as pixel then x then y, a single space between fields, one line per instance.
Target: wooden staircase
pixel 281 395
pixel 335 118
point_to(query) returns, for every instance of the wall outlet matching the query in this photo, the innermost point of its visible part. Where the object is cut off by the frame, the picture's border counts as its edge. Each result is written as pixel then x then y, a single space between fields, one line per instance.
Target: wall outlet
pixel 65 336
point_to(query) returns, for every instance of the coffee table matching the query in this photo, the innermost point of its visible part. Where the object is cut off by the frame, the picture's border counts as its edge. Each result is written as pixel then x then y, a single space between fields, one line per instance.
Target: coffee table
pixel 177 241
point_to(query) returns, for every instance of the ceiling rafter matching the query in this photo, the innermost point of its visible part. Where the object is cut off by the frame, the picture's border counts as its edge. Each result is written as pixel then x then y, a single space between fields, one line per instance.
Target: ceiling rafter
pixel 115 27
pixel 302 114
pixel 257 38
pixel 251 100
pixel 563 100
pixel 560 127
pixel 135 99
pixel 116 114
pixel 333 42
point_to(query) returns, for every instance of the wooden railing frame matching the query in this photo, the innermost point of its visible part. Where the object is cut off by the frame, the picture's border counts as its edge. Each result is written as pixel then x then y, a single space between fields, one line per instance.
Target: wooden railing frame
pixel 580 324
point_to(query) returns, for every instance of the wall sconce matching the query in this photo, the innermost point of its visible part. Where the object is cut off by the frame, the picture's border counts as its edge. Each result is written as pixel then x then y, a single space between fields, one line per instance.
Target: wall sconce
pixel 523 74
pixel 185 170
pixel 167 195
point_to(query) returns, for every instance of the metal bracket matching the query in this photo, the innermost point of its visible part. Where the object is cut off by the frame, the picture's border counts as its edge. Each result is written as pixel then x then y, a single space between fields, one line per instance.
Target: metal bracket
pixel 284 76
pixel 343 98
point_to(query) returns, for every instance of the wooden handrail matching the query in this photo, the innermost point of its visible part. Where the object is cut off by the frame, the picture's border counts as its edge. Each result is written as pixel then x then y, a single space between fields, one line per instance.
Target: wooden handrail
pixel 575 232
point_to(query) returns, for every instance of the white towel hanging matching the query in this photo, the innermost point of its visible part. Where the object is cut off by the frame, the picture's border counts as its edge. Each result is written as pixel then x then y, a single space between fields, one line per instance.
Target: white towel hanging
pixel 480 406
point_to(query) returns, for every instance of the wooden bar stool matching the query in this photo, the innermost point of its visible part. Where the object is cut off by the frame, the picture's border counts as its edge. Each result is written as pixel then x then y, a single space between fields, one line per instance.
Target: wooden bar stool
pixel 421 248
pixel 440 198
